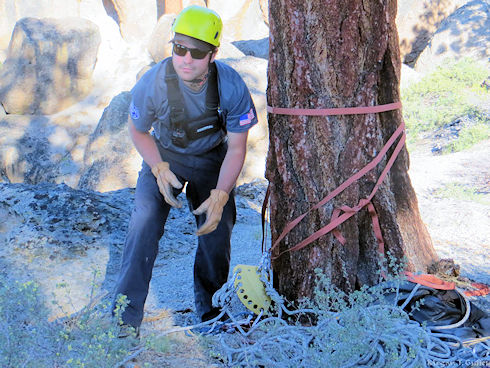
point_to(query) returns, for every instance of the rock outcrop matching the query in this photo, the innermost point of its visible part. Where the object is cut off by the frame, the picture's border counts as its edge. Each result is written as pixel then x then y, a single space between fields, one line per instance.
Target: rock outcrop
pixel 465 33
pixel 242 19
pixel 417 21
pixel 110 159
pixel 59 221
pixel 35 149
pixel 159 46
pixel 257 48
pixel 136 18
pixel 13 10
pixel 49 65
pixel 54 234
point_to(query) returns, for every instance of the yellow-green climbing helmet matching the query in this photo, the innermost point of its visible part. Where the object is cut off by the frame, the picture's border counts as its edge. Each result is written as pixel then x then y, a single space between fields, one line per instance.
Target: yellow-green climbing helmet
pixel 199 22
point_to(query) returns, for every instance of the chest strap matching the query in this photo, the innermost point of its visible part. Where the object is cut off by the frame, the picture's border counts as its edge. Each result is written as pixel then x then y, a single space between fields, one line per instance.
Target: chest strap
pixel 182 128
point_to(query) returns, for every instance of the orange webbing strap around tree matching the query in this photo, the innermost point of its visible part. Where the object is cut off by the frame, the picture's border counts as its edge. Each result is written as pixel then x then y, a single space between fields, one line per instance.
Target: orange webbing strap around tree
pixel 335 111
pixel 348 212
pixel 340 215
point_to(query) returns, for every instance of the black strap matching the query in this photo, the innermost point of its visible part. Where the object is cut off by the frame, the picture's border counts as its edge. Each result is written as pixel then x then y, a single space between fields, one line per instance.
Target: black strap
pixel 212 95
pixel 211 121
pixel 178 113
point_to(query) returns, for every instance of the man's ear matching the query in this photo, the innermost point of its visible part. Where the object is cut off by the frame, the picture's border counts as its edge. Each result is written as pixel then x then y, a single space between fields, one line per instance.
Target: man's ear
pixel 213 55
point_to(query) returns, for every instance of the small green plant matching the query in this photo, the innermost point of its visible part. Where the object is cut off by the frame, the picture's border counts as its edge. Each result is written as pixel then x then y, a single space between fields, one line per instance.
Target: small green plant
pixel 469 137
pixel 90 339
pixel 462 192
pixel 444 95
pixel 359 319
pixel 160 344
pixel 28 339
pixel 23 326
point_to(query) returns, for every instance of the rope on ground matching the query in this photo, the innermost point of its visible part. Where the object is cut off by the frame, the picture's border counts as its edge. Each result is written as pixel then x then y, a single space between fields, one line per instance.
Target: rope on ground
pixel 272 341
pixel 385 335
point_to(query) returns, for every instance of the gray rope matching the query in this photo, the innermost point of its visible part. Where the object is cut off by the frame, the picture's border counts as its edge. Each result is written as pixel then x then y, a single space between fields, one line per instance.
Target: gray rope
pixel 272 342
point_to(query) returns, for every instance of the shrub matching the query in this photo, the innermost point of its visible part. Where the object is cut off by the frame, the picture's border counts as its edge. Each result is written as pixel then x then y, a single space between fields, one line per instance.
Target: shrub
pixel 462 192
pixel 25 335
pixel 469 137
pixel 444 95
pixel 28 339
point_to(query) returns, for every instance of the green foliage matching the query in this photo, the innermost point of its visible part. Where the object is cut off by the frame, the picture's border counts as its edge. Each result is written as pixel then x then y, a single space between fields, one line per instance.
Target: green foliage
pixel 360 316
pixel 28 339
pixel 469 137
pixel 23 325
pixel 160 344
pixel 444 95
pixel 462 192
pixel 90 339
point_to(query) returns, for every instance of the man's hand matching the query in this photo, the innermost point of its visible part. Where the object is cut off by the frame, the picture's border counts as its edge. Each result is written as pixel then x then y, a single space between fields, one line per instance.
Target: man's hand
pixel 213 206
pixel 166 179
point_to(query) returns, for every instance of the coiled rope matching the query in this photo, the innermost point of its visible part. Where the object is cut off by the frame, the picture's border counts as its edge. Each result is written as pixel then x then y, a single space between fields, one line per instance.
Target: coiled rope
pixel 389 336
pixel 385 336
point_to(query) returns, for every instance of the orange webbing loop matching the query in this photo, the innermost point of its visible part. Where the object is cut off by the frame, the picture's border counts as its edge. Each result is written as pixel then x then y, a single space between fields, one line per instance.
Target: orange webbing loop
pixel 430 281
pixel 348 211
pixel 334 111
pixel 337 216
pixel 481 289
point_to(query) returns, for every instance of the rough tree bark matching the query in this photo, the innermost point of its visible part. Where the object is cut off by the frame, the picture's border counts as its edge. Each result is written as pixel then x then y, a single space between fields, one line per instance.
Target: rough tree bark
pixel 336 53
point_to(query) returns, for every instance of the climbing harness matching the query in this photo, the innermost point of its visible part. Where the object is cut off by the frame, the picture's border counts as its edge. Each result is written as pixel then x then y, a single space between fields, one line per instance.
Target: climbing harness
pixel 182 129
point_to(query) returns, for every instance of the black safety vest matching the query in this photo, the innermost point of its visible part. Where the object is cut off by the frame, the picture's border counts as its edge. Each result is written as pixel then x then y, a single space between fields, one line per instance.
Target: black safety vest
pixel 183 129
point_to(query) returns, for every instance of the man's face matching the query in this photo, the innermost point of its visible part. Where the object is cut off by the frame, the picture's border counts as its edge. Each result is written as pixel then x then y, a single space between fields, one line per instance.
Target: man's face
pixel 188 68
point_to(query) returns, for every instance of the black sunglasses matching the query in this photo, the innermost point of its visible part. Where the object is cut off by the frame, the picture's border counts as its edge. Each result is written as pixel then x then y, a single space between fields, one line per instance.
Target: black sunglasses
pixel 195 53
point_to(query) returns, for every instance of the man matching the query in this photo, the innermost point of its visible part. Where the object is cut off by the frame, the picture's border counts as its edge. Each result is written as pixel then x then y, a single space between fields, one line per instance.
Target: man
pixel 194 142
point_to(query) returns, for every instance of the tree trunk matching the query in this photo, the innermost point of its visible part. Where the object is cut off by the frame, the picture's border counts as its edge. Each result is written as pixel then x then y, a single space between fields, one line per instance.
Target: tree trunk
pixel 326 54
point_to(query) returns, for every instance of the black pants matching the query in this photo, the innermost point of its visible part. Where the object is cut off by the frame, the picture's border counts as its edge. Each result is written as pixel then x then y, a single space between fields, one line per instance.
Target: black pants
pixel 146 227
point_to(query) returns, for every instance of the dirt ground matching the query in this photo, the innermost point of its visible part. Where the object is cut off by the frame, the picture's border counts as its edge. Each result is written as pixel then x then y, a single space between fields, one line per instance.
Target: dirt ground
pixel 459 224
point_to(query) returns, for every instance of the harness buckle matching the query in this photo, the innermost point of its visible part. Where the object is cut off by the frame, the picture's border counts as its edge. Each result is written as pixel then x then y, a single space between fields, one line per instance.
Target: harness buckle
pixel 177 116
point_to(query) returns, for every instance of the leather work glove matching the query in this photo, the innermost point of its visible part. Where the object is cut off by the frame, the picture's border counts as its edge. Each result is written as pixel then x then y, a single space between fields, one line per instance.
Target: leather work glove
pixel 213 206
pixel 166 179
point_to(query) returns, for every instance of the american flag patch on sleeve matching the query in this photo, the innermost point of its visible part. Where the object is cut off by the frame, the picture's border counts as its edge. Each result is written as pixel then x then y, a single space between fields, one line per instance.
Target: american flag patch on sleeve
pixel 247 118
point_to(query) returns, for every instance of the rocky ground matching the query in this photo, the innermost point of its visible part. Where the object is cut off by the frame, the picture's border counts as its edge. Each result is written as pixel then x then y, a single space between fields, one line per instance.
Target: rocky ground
pixel 69 240
pixel 60 236
pixel 458 222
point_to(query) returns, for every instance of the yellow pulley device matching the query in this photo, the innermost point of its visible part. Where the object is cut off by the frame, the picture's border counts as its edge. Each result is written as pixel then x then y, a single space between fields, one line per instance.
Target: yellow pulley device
pixel 250 290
